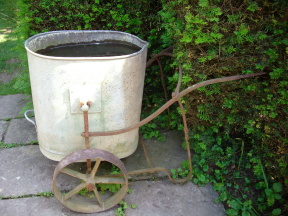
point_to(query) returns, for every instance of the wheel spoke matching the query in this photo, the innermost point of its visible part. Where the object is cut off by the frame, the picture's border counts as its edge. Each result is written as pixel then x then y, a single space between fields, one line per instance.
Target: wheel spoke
pixel 98 197
pixel 74 191
pixel 74 173
pixel 95 168
pixel 108 180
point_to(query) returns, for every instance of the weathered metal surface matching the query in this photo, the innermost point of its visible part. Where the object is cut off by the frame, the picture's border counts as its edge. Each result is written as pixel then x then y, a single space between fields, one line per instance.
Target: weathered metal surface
pixel 55 81
pixel 83 204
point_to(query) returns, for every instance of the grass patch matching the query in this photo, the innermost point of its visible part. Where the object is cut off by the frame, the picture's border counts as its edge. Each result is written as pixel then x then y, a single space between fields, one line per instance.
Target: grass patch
pixel 7 13
pixel 13 145
pixel 42 194
pixel 8 88
pixel 10 64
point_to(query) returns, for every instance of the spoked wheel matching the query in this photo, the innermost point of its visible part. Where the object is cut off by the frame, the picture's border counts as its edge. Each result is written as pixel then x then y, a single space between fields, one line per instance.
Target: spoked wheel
pixel 97 202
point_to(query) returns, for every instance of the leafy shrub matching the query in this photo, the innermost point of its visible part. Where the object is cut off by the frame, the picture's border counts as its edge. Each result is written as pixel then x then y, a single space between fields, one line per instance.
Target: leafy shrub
pixel 222 38
pixel 129 16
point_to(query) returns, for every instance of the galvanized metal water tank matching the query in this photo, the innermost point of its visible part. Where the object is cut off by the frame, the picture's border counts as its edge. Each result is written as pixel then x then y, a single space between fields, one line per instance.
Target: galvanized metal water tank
pixel 113 84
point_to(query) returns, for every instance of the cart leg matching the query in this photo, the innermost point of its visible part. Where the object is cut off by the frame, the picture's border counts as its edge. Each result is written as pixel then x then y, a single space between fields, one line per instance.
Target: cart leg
pixel 87 140
pixel 145 150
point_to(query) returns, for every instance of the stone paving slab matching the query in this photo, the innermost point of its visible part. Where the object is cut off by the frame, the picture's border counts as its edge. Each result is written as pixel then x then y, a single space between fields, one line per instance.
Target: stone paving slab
pixel 159 198
pixel 41 206
pixel 20 131
pixel 168 154
pixel 3 128
pixel 11 105
pixel 24 171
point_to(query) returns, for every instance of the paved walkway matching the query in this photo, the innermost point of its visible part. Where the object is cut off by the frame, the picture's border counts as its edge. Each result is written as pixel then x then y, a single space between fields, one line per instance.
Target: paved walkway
pixel 25 175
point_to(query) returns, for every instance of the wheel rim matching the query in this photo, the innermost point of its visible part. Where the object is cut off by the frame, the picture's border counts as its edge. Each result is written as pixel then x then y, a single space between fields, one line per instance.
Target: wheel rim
pixel 89 181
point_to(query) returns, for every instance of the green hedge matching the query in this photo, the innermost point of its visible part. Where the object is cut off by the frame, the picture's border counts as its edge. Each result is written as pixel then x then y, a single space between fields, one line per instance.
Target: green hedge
pixel 219 38
pixel 136 17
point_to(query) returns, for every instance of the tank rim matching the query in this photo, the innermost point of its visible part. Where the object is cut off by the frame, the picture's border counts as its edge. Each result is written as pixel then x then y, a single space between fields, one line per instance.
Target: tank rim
pixel 26 44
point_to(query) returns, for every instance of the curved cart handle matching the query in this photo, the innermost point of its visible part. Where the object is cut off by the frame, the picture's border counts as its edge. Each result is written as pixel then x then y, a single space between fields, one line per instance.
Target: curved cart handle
pixel 29 119
pixel 175 97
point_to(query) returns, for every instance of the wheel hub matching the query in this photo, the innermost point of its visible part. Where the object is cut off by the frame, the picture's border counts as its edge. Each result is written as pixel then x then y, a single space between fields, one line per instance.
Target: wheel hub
pixel 90 187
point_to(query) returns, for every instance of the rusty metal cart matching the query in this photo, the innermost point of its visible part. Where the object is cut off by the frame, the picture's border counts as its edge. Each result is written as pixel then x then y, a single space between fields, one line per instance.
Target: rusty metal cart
pixel 88 109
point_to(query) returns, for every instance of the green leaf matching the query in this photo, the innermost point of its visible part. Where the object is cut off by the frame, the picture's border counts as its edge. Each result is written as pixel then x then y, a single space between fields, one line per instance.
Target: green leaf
pixel 277 196
pixel 276 73
pixel 273 55
pixel 205 168
pixel 253 7
pixel 245 213
pixel 133 206
pixel 202 178
pixel 223 197
pixel 268 192
pixel 203 3
pixel 232 212
pixel 235 204
pixel 216 35
pixel 277 187
pixel 186 39
pixel 276 211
